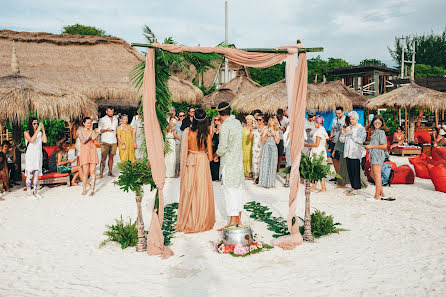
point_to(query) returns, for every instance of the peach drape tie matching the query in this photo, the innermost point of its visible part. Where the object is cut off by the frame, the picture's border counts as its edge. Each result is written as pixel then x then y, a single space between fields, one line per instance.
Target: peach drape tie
pixel 296 86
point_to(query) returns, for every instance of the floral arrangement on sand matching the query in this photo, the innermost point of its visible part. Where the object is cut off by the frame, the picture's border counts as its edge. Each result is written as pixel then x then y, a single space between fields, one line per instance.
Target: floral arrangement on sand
pixel 239 250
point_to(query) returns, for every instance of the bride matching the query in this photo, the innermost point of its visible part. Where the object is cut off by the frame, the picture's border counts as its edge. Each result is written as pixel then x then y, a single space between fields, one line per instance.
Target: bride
pixel 196 212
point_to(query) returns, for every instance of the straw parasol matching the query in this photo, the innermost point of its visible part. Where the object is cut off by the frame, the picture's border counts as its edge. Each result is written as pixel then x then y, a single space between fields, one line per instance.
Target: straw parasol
pixel 230 90
pixel 358 100
pixel 183 91
pixel 410 96
pixel 270 98
pixel 20 96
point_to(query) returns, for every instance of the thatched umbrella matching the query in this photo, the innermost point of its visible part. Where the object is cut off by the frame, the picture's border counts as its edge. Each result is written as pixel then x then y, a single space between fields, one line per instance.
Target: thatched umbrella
pixel 184 91
pixel 410 97
pixel 358 100
pixel 20 96
pixel 229 91
pixel 272 97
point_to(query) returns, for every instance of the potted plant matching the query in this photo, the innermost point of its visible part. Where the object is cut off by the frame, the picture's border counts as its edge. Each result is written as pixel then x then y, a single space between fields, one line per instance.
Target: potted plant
pixel 133 177
pixel 311 169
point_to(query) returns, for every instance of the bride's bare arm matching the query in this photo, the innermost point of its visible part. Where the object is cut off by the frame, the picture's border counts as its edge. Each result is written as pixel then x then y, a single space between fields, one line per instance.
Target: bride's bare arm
pixel 209 147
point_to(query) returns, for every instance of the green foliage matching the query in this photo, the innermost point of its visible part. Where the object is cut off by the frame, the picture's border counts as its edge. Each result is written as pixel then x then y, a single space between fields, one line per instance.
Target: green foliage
pixel 183 106
pixel 321 224
pixel 388 116
pixel 134 176
pixel 430 49
pixel 372 62
pixel 318 66
pixel 124 233
pixel 207 90
pixel 315 168
pixel 78 29
pixel 265 247
pixel 267 76
pixel 54 130
pixel 261 213
pixel 422 70
pixel 169 222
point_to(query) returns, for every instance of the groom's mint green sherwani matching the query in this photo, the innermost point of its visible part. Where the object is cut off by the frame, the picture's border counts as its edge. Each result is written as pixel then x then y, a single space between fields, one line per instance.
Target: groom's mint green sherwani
pixel 231 163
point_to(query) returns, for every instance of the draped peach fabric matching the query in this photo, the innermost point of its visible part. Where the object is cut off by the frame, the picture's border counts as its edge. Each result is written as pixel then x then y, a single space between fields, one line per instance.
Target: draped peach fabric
pixel 155 147
pixel 155 153
pixel 250 59
pixel 297 81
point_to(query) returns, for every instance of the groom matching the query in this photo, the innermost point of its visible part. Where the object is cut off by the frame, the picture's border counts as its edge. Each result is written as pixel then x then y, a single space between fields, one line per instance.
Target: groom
pixel 230 151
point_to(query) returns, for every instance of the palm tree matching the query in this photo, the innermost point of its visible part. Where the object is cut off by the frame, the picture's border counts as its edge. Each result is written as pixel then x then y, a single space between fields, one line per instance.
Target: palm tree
pixel 311 169
pixel 133 177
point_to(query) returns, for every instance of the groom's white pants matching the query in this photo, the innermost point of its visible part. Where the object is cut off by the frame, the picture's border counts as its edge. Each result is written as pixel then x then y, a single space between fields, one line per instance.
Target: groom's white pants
pixel 234 199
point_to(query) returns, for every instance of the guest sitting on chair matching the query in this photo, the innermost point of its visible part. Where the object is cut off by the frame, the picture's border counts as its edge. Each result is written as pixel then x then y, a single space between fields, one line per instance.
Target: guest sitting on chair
pixel 438 140
pixel 59 162
pixel 398 137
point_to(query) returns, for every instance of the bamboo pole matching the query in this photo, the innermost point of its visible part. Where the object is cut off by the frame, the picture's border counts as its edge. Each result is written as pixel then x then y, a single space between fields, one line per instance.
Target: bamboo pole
pixel 405 125
pixel 259 50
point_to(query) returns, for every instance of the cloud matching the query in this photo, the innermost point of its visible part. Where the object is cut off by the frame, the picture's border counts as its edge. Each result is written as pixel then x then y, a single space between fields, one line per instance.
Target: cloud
pixel 352 30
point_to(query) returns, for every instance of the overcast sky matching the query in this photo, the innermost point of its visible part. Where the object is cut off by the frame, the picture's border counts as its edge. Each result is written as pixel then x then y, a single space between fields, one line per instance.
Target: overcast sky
pixel 352 30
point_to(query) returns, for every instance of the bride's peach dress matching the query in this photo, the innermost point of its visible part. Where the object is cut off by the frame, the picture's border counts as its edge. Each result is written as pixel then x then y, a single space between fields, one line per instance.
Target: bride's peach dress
pixel 196 210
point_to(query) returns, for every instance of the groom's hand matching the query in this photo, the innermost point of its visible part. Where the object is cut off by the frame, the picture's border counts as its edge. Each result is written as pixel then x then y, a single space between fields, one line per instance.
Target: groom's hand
pixel 215 158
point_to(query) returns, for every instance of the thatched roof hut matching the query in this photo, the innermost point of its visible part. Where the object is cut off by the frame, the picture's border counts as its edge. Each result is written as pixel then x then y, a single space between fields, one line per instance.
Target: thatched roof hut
pixel 95 66
pixel 410 96
pixel 20 96
pixel 229 91
pixel 183 91
pixel 270 98
pixel 358 100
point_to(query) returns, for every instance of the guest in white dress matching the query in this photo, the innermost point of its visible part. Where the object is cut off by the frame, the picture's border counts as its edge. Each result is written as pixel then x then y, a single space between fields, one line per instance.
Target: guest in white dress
pixel 318 147
pixel 34 156
pixel 170 158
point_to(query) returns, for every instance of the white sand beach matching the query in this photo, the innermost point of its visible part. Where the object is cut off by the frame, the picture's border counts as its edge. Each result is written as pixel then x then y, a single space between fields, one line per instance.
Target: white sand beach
pixel 49 247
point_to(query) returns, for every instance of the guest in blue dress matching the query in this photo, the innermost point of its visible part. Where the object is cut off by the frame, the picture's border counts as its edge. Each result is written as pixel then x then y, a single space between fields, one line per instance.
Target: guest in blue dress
pixel 268 162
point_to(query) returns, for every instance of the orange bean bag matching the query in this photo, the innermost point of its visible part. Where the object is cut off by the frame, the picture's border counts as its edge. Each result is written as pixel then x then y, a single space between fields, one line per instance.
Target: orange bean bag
pixel 421 169
pixel 438 177
pixel 423 137
pixel 420 157
pixel 403 175
pixel 439 154
pixel 53 175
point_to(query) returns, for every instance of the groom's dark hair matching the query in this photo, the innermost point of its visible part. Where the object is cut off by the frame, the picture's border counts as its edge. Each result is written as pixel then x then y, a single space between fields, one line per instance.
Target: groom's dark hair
pixel 224 109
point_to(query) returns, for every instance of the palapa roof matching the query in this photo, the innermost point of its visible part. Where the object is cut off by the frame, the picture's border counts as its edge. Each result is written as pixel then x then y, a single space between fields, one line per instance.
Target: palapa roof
pixel 409 96
pixel 20 96
pixel 358 100
pixel 270 98
pixel 230 90
pixel 95 66
pixel 183 91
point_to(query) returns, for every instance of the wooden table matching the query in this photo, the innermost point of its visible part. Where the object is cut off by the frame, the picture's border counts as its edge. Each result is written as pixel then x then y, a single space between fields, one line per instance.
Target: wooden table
pixel 402 152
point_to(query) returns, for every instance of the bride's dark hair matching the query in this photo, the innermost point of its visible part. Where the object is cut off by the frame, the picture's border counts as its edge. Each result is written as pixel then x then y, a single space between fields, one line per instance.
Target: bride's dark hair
pixel 201 125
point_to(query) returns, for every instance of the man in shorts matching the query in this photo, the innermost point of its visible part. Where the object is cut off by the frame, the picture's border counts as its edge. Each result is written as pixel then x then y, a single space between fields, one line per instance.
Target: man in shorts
pixel 337 125
pixel 108 126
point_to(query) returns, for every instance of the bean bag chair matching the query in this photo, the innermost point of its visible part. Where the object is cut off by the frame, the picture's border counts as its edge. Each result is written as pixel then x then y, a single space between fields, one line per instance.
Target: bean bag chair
pixel 432 162
pixel 438 177
pixel 420 157
pixel 53 175
pixel 49 149
pixel 421 169
pixel 403 175
pixel 439 154
pixel 423 137
pixel 389 140
pixel 392 165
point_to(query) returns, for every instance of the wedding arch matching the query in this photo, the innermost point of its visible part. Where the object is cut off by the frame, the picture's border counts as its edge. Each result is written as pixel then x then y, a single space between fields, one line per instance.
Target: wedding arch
pixel 296 82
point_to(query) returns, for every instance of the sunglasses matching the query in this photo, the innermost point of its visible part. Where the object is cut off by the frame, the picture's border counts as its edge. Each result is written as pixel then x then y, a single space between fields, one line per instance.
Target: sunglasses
pixel 191 110
pixel 377 122
pixel 181 116
pixel 35 124
pixel 259 120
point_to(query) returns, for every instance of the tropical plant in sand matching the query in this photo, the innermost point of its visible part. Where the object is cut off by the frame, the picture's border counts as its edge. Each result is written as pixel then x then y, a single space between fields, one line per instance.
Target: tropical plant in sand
pixel 133 177
pixel 312 169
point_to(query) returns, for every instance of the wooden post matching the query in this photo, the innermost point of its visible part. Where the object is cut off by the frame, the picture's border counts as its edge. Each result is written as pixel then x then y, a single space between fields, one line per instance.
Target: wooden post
pixel 406 129
pixel 436 118
pixel 308 236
